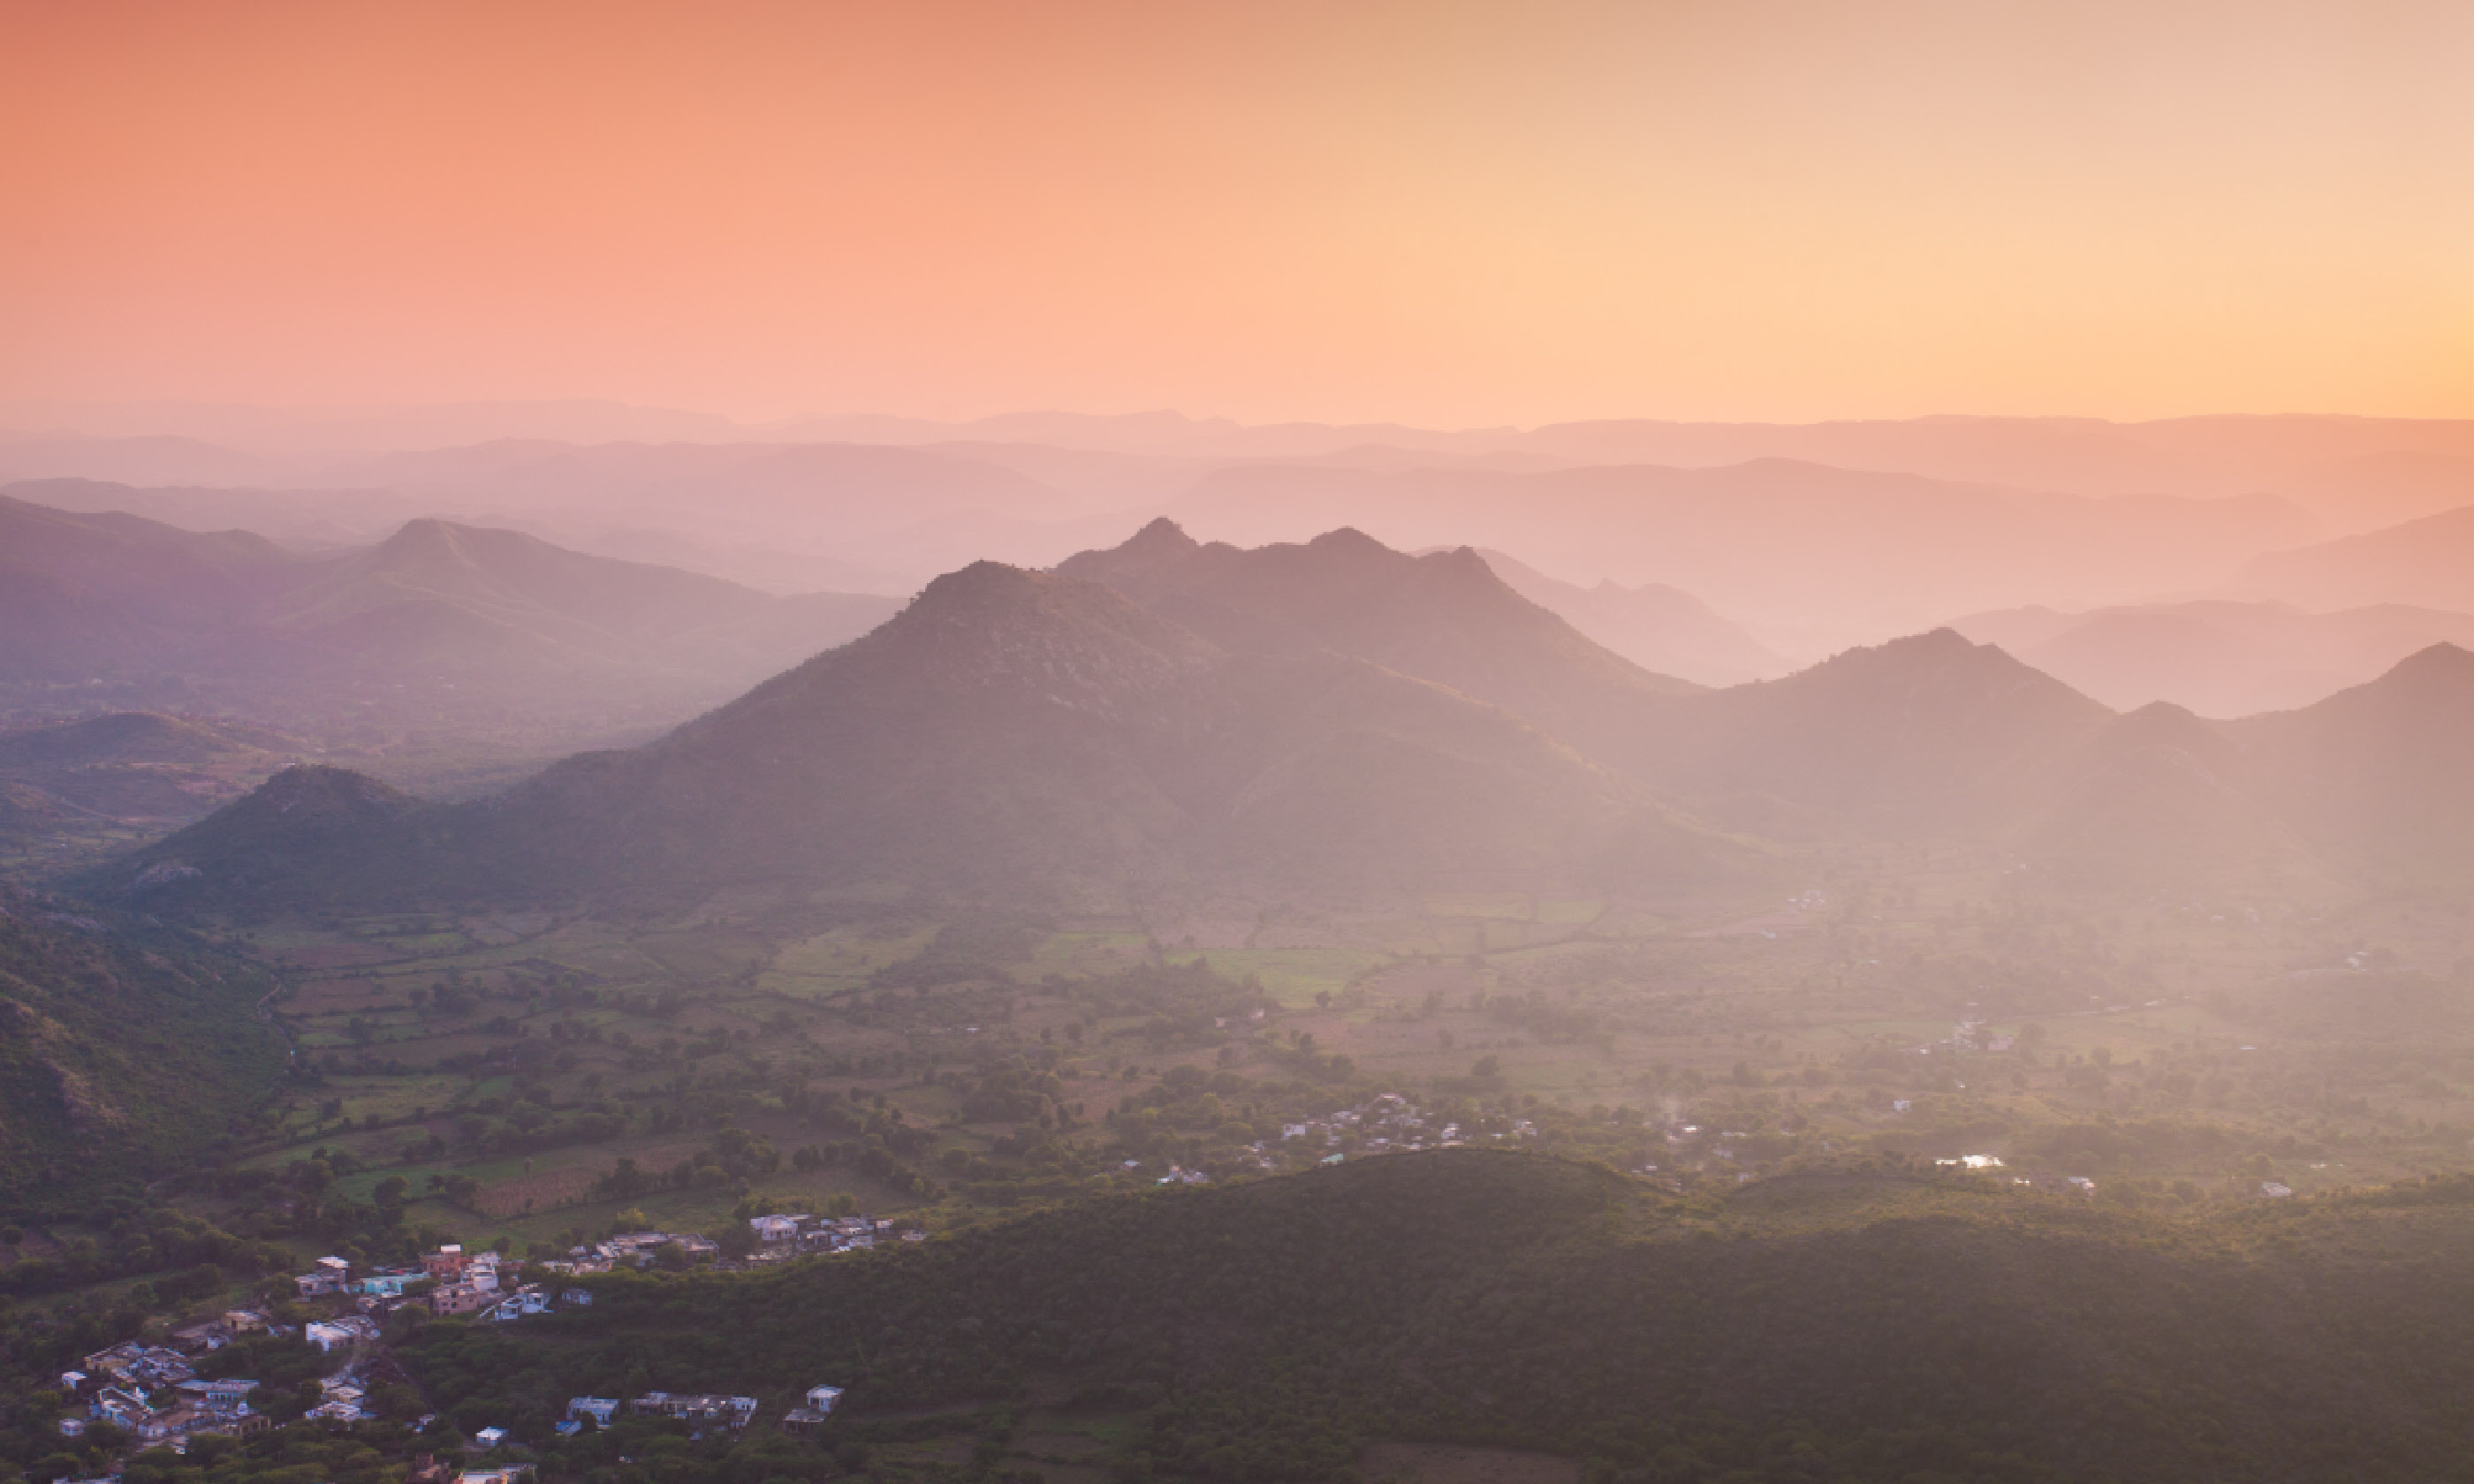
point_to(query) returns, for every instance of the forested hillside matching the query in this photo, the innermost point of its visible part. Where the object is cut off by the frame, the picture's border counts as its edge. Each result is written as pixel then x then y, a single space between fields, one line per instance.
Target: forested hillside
pixel 117 1055
pixel 1874 1323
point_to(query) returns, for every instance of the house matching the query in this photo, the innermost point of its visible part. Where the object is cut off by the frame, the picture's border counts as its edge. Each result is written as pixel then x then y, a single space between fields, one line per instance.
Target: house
pixel 351 1330
pixel 601 1409
pixel 577 1298
pixel 208 1336
pixel 122 1407
pixel 245 1321
pixel 523 1301
pixel 447 1264
pixel 72 1426
pixel 509 1474
pixel 728 1411
pixel 490 1437
pixel 140 1365
pixel 804 1420
pixel 228 1397
pixel 386 1285
pixel 776 1229
pixel 2081 1183
pixel 2275 1189
pixel 459 1299
pixel 332 1274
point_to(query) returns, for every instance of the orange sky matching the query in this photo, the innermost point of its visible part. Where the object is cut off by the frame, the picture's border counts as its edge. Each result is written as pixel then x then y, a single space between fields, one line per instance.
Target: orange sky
pixel 1435 212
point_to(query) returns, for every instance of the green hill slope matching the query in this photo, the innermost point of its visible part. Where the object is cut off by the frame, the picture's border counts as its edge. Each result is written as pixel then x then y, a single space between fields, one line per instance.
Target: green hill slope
pixel 118 1056
pixel 1854 1327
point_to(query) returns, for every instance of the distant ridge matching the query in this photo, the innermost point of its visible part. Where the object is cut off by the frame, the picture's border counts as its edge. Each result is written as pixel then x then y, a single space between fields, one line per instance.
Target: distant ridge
pixel 1662 629
pixel 109 594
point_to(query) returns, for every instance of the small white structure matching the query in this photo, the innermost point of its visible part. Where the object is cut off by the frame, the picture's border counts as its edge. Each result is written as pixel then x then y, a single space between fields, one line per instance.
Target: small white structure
pixel 601 1409
pixel 330 1333
pixel 490 1437
pixel 807 1420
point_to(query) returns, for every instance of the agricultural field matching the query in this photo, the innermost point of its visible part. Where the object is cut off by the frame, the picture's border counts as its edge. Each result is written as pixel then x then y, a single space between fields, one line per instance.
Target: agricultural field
pixel 536 1078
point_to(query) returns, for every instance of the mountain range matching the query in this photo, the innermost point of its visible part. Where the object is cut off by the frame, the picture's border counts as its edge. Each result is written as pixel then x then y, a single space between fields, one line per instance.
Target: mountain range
pixel 2216 656
pixel 102 595
pixel 1809 538
pixel 1339 719
pixel 2360 472
pixel 1012 735
pixel 1655 626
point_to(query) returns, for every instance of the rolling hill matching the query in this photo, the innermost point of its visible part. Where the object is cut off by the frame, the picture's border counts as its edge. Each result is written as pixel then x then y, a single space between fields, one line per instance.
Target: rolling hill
pixel 2376 776
pixel 1864 1324
pixel 2428 563
pixel 436 593
pixel 104 595
pixel 1928 734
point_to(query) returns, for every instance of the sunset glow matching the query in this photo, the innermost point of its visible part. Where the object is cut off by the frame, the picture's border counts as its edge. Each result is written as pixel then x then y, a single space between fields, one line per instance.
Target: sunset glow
pixel 1450 214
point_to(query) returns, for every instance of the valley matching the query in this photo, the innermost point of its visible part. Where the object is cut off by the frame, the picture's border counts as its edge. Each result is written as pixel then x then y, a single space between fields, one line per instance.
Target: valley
pixel 2175 1052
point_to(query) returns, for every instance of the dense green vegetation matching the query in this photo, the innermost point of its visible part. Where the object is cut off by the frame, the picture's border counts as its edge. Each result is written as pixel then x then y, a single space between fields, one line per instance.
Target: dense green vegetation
pixel 1855 1323
pixel 122 1050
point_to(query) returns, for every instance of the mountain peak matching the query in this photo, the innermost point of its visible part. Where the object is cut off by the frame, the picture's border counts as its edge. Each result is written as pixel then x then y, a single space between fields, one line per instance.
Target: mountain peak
pixel 1162 536
pixel 1348 539
pixel 2440 662
pixel 991 628
pixel 323 788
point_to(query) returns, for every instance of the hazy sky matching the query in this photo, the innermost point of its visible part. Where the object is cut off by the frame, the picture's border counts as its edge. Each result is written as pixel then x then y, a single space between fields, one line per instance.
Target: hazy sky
pixel 1440 212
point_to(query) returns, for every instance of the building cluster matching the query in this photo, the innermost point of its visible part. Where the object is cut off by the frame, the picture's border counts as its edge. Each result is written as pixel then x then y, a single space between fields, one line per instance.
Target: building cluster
pixel 700 1410
pixel 780 1236
pixel 450 1282
pixel 152 1394
pixel 1385 1123
pixel 630 1248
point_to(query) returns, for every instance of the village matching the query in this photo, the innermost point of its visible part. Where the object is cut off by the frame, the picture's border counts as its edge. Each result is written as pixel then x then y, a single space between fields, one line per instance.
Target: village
pixel 153 1395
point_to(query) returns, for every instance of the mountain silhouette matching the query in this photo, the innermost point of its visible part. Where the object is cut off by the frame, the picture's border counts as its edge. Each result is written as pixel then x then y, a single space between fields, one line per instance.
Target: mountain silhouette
pixel 1020 735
